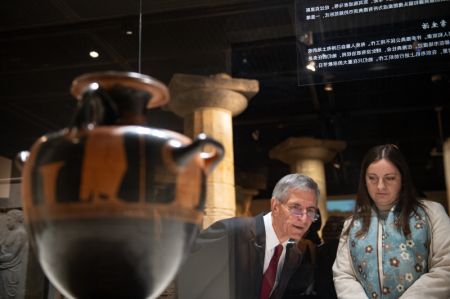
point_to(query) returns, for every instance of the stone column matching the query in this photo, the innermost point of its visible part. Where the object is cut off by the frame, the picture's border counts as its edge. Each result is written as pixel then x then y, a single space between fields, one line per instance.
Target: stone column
pixel 244 197
pixel 446 149
pixel 207 105
pixel 248 185
pixel 308 155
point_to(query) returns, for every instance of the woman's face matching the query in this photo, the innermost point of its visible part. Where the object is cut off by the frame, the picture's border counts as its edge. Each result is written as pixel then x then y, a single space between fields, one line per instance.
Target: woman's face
pixel 383 181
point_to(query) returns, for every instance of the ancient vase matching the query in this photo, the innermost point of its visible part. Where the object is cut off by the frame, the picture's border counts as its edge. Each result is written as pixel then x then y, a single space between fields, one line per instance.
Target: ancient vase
pixel 112 206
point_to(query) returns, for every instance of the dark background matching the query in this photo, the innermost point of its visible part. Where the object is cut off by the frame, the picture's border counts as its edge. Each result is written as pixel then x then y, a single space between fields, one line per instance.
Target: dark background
pixel 44 45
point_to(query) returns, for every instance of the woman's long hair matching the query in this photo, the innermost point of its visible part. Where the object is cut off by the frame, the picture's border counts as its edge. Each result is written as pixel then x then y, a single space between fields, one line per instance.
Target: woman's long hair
pixel 407 200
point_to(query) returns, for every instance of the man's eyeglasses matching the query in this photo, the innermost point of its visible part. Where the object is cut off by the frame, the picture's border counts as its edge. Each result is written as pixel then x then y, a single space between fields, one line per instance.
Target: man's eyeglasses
pixel 298 211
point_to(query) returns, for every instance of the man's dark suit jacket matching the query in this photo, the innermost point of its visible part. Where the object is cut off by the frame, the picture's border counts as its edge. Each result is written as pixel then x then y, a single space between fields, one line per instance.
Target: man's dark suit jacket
pixel 227 262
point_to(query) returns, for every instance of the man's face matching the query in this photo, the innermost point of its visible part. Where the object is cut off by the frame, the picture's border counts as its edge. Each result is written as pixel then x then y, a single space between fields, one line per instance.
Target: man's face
pixel 286 224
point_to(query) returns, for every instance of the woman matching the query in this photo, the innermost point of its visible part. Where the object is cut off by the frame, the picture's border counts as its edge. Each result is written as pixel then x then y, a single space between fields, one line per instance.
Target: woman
pixel 395 245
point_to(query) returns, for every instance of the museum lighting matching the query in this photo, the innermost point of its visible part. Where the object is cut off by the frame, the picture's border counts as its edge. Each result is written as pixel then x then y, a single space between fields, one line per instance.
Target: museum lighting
pixel 311 66
pixel 94 54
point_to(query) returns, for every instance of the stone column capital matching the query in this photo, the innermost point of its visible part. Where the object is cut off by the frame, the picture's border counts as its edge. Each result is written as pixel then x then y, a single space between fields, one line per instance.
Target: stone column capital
pixel 251 180
pixel 300 148
pixel 245 191
pixel 192 92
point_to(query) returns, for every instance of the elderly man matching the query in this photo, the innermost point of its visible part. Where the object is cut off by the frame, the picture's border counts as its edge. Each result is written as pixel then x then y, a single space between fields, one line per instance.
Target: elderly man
pixel 252 258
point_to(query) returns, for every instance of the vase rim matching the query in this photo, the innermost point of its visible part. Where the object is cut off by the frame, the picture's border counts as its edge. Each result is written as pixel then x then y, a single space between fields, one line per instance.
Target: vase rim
pixel 107 79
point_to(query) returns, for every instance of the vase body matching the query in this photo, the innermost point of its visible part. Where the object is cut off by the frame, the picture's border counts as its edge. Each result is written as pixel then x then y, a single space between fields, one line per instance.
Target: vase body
pixel 112 205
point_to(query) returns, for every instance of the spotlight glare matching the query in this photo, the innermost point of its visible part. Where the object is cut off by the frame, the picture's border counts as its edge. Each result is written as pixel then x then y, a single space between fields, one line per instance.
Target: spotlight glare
pixel 311 66
pixel 94 54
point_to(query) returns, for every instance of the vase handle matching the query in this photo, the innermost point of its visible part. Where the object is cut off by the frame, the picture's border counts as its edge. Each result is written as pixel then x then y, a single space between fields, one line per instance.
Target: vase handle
pixel 180 155
pixel 95 108
pixel 213 158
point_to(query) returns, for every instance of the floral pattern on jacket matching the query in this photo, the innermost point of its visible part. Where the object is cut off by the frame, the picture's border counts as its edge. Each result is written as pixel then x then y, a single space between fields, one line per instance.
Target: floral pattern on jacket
pixel 433 284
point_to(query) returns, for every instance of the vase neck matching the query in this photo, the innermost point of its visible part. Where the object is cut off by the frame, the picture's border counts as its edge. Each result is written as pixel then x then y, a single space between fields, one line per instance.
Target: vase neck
pixel 118 105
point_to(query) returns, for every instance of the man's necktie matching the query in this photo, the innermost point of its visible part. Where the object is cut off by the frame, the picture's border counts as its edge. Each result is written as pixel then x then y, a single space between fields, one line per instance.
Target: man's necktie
pixel 271 273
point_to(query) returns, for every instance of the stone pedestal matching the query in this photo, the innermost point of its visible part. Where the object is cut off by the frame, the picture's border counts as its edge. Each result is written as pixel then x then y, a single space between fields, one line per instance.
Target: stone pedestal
pixel 446 149
pixel 207 105
pixel 9 185
pixel 308 155
pixel 5 175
